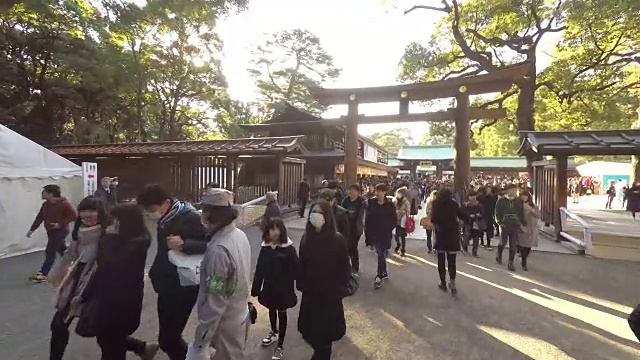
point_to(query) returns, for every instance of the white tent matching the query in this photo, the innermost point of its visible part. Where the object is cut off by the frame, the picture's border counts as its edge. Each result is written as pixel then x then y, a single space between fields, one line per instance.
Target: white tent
pixel 25 167
pixel 600 168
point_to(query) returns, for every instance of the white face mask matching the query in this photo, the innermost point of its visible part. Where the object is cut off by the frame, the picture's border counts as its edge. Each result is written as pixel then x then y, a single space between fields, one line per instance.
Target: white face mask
pixel 316 220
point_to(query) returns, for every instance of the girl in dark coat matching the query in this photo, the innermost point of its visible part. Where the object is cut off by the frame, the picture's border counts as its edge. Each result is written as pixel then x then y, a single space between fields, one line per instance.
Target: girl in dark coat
pixel 118 283
pixel 324 273
pixel 444 217
pixel 273 281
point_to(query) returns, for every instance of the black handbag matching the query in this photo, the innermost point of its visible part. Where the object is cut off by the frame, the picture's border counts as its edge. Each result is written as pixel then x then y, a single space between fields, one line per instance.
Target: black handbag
pixel 87 321
pixel 352 285
pixel 634 321
pixel 253 313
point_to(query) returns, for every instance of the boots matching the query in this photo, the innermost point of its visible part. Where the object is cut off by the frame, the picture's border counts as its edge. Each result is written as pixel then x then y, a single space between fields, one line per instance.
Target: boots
pixel 499 254
pixel 524 264
pixel 452 286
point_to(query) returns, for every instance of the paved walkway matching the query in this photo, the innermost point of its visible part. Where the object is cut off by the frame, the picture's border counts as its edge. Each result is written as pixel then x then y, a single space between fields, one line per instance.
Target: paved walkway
pixel 616 220
pixel 565 307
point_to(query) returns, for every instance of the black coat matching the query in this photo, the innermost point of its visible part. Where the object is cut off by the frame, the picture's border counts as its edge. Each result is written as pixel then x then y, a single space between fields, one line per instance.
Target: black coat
pixel 633 199
pixel 187 225
pixel 342 220
pixel 118 284
pixel 324 272
pixel 379 222
pixel 444 216
pixel 274 279
pixel 355 211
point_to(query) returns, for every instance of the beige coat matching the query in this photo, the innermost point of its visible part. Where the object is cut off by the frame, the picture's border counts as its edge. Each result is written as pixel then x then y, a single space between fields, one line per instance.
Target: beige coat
pixel 528 236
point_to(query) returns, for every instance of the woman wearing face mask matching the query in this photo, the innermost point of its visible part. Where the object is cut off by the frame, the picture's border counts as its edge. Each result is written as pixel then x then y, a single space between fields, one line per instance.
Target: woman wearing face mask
pixel 273 281
pixel 72 274
pixel 321 320
pixel 118 283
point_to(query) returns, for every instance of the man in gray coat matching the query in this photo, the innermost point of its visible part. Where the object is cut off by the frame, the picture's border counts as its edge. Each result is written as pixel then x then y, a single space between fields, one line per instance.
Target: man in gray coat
pixel 225 283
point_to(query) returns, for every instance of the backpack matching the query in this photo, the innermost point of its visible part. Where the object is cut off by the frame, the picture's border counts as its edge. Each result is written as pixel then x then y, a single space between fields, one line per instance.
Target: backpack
pixel 410 225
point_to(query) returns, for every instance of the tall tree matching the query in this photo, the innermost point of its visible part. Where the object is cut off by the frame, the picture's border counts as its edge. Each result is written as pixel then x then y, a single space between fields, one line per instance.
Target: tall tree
pixel 440 133
pixel 77 72
pixel 392 140
pixel 287 64
pixel 480 36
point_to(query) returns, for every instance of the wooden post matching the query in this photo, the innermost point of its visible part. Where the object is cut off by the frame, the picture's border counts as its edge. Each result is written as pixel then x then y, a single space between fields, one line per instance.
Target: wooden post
pixel 635 159
pixel 236 172
pixel 462 149
pixel 413 169
pixel 560 196
pixel 280 180
pixel 229 180
pixel 351 144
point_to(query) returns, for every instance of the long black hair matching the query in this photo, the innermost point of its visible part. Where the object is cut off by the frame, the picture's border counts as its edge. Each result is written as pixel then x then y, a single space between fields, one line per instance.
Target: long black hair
pixel 329 218
pixel 90 203
pixel 130 221
pixel 275 223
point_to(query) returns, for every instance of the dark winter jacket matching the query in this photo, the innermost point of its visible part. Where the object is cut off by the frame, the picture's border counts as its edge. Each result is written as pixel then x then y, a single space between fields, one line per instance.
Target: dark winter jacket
pixel 342 220
pixel 489 206
pixel 476 218
pixel 187 225
pixel 118 284
pixel 444 216
pixel 274 279
pixel 510 211
pixel 271 211
pixel 109 198
pixel 59 212
pixel 355 211
pixel 380 220
pixel 324 272
pixel 633 199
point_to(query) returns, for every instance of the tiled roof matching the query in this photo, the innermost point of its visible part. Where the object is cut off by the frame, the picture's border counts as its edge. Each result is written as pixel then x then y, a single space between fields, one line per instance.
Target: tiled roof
pixel 252 146
pixel 587 142
pixel 426 152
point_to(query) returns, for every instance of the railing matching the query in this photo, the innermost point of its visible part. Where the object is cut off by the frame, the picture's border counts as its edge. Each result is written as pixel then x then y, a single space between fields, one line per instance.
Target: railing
pixel 585 243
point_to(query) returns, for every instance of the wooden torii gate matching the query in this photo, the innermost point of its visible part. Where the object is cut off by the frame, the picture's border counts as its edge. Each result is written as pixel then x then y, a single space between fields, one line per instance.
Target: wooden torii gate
pixel 458 88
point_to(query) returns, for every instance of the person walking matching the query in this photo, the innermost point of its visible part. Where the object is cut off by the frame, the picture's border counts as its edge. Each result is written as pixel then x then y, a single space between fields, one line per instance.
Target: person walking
pixel 304 190
pixel 339 213
pixel 56 213
pixel 488 201
pixel 107 193
pixel 272 210
pixel 321 320
pixel 117 285
pixel 403 208
pixel 180 229
pixel 633 199
pixel 225 284
pixel 356 206
pixel 510 217
pixel 473 228
pixel 73 273
pixel 425 222
pixel 380 220
pixel 274 281
pixel 528 236
pixel 444 217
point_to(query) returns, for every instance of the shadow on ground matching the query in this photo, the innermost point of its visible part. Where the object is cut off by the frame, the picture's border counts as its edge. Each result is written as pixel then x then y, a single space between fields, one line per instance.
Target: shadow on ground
pixel 565 307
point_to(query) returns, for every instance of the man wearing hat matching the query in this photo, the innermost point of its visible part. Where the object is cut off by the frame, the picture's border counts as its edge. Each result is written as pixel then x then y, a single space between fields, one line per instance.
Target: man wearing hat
pixel 225 283
pixel 340 213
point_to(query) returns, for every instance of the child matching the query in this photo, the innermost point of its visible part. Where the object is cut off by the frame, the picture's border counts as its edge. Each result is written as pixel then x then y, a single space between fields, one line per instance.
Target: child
pixel 474 226
pixel 273 281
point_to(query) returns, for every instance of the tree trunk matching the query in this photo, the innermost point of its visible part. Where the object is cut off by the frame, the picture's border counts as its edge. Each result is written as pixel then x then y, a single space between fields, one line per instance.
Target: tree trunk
pixel 293 81
pixel 635 159
pixel 526 102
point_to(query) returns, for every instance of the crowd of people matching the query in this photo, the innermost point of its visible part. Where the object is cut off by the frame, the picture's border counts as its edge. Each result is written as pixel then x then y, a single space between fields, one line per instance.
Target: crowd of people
pixel 99 275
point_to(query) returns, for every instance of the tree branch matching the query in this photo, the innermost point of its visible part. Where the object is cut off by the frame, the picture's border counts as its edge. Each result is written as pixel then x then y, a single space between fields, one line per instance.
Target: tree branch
pixel 445 8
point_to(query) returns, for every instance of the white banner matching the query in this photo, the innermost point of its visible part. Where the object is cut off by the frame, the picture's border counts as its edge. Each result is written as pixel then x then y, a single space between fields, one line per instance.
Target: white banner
pixel 89 178
pixel 370 153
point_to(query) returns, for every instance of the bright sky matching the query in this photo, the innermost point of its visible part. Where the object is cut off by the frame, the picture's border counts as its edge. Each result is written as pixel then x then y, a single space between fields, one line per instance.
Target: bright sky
pixel 366 38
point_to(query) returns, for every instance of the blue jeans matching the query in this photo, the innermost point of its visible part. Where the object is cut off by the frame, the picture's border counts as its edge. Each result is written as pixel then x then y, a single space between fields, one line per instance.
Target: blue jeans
pixel 55 245
pixel 382 258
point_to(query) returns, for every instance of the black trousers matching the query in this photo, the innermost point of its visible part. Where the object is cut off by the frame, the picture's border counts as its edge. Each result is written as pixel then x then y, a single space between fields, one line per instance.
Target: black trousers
pixel 321 351
pixel 55 245
pixel 174 309
pixel 113 346
pixel 303 205
pixel 446 260
pixel 352 247
pixel 59 335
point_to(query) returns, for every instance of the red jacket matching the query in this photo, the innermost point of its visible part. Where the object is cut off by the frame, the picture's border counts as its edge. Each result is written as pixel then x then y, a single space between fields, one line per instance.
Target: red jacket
pixel 59 212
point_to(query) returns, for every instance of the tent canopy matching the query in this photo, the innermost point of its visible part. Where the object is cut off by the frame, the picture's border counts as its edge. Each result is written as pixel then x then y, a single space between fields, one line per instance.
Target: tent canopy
pixel 599 168
pixel 23 158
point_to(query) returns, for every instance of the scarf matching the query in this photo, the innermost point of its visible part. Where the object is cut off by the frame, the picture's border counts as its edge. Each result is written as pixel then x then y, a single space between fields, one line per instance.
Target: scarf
pixel 178 208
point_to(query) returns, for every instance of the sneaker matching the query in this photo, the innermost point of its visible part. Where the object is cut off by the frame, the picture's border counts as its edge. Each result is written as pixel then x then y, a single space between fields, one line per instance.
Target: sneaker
pixel 403 252
pixel 489 248
pixel 397 250
pixel 278 354
pixel 476 255
pixel 498 259
pixel 525 268
pixel 150 350
pixel 377 282
pixel 454 290
pixel 38 277
pixel 384 276
pixel 443 287
pixel 511 267
pixel 270 339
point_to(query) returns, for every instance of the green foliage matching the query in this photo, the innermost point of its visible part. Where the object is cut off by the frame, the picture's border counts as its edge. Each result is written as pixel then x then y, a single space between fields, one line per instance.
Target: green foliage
pixel 287 64
pixel 591 82
pixel 440 133
pixel 392 140
pixel 74 71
